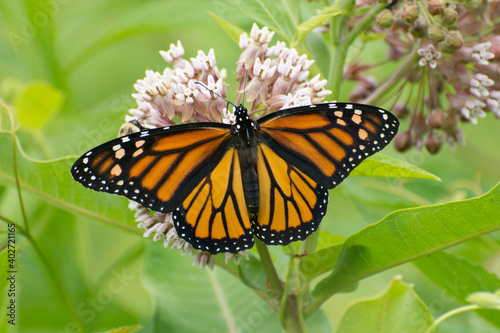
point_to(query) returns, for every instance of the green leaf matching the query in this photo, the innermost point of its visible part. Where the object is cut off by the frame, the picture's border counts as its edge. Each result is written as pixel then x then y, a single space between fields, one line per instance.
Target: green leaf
pixel 399 309
pixel 319 262
pixel 305 28
pixel 232 30
pixel 380 165
pixel 219 301
pixel 409 234
pixel 267 13
pixel 460 278
pixel 36 103
pixel 52 182
pixel 323 260
pixel 252 273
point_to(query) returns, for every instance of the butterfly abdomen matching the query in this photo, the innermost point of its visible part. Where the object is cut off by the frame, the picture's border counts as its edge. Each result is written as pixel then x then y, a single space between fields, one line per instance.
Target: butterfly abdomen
pixel 249 176
pixel 245 129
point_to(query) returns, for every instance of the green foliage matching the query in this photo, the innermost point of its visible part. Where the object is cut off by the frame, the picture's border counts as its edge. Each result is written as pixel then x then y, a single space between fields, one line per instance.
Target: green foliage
pixel 399 309
pixel 67 70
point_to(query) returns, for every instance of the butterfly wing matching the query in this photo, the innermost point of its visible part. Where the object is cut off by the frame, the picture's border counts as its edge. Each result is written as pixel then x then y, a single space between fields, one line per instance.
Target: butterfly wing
pixel 291 203
pixel 214 216
pixel 157 168
pixel 327 141
pixel 303 152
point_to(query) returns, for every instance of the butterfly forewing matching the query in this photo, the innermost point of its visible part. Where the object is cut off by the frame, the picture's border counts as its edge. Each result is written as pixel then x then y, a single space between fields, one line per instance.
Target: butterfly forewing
pixel 214 216
pixel 292 204
pixel 326 141
pixel 156 168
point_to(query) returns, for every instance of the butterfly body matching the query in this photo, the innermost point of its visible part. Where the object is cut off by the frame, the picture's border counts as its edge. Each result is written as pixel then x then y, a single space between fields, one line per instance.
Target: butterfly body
pixel 225 184
pixel 247 140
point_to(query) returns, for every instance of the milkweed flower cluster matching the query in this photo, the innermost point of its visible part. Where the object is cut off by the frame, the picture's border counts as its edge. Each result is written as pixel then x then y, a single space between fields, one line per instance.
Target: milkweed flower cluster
pixel 276 77
pixel 450 54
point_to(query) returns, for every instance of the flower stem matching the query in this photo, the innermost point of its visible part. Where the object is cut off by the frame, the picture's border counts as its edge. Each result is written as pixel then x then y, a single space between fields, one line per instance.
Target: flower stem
pixel 451 313
pixel 342 41
pixel 402 70
pixel 267 264
pixel 26 231
pixel 290 318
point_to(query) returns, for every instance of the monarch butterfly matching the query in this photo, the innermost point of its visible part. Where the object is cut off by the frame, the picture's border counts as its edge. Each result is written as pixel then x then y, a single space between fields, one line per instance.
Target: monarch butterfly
pixel 225 184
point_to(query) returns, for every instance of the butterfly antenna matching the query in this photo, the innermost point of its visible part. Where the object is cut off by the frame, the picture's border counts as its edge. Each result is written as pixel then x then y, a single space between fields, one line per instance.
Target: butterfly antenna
pixel 213 92
pixel 245 85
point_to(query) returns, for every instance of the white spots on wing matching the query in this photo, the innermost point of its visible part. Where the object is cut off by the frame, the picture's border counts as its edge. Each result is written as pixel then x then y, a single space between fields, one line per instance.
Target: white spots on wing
pixel 116 171
pixel 341 122
pixel 138 152
pixel 348 106
pixel 125 139
pixel 120 182
pixel 89 153
pixel 85 160
pixel 120 153
pixel 116 147
pixel 356 119
pixel 363 135
pixel 145 133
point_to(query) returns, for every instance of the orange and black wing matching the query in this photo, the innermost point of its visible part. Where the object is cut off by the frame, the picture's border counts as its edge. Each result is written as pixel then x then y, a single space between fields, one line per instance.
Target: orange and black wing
pixel 291 203
pixel 327 141
pixel 157 168
pixel 303 152
pixel 214 216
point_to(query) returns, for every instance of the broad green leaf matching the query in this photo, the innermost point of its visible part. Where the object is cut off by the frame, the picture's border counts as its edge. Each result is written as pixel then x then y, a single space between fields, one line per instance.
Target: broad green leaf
pixel 380 165
pixel 36 103
pixel 219 302
pixel 319 262
pixel 305 28
pixel 252 273
pixel 52 182
pixel 460 278
pixel 326 240
pixel 324 258
pixel 232 30
pixel 267 13
pixel 409 234
pixel 399 309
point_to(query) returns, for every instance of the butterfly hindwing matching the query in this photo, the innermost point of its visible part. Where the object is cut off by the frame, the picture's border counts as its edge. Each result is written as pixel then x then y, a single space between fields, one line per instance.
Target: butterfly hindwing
pixel 326 141
pixel 214 216
pixel 156 168
pixel 291 203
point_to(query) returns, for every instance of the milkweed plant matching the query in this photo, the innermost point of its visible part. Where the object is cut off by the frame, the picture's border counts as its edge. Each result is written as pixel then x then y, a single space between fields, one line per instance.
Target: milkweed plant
pixel 446 74
pixel 440 72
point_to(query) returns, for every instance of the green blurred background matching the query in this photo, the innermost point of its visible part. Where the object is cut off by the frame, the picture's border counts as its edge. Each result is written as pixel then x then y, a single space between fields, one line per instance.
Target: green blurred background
pixel 89 54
